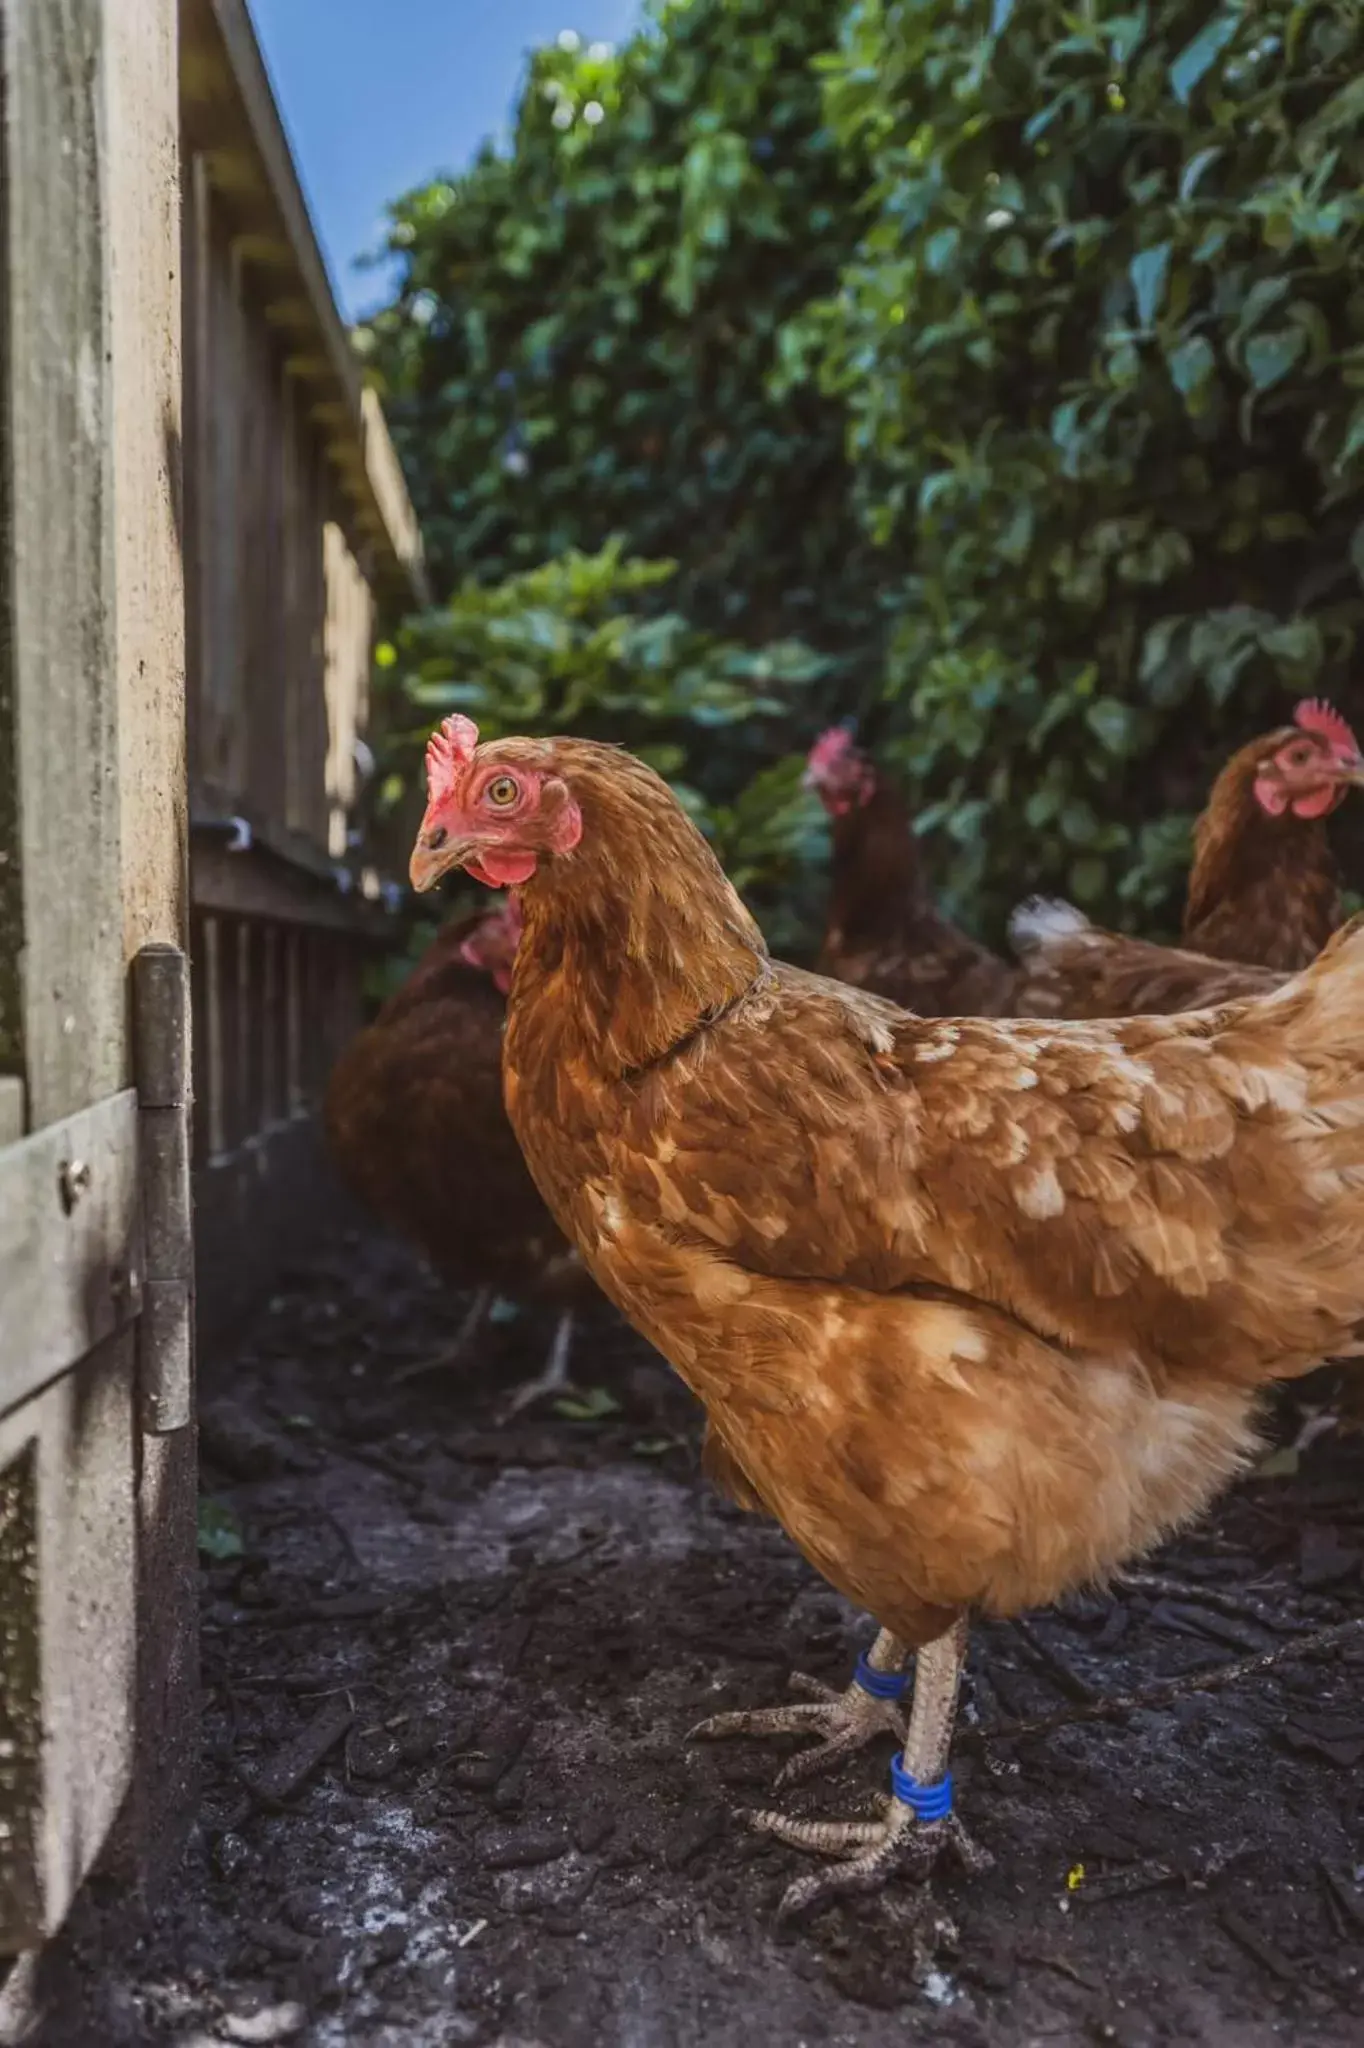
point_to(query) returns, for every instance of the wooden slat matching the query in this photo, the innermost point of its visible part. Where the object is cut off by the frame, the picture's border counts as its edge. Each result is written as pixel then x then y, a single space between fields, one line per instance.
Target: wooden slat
pixel 197 315
pixel 264 675
pixel 149 613
pixel 11 1108
pixel 58 637
pixel 258 885
pixel 210 1111
pixel 223 755
pixel 21 1704
pixel 78 1435
pixel 153 538
pixel 68 1243
pixel 294 982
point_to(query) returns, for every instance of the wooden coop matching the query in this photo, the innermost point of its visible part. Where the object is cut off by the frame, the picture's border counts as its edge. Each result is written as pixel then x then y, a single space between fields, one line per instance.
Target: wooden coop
pixel 298 529
pixel 200 519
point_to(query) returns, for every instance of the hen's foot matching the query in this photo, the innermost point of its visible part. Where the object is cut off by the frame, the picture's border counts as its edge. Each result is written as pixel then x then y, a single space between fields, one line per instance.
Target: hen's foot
pixel 553 1380
pixel 458 1351
pixel 844 1722
pixel 916 1827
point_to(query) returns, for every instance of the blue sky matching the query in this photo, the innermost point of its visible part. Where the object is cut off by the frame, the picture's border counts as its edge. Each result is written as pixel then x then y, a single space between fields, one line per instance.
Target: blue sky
pixel 377 95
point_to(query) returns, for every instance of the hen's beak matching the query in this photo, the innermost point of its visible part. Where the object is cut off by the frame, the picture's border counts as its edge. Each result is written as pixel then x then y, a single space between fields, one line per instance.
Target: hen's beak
pixel 1350 772
pixel 434 854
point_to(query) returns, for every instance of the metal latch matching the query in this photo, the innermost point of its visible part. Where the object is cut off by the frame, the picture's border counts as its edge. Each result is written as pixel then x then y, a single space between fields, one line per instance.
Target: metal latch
pixel 161 1073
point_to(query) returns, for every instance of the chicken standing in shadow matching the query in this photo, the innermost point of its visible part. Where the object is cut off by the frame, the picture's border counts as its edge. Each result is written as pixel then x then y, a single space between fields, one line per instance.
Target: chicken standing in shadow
pixel 883 931
pixel 416 1124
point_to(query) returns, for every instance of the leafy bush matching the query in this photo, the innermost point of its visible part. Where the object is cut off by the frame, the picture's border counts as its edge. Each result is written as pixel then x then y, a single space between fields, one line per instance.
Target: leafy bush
pixel 1022 378
pixel 1101 351
pixel 586 330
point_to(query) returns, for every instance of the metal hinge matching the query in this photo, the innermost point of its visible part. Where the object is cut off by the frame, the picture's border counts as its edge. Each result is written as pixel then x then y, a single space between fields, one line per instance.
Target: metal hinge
pixel 161 1072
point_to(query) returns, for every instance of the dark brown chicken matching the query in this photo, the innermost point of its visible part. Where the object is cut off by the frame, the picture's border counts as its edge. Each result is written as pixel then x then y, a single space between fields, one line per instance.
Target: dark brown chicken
pixel 1264 891
pixel 978 1309
pixel 883 931
pixel 415 1122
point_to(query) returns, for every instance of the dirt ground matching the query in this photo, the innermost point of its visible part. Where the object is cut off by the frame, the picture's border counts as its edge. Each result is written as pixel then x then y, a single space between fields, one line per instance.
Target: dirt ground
pixel 448 1799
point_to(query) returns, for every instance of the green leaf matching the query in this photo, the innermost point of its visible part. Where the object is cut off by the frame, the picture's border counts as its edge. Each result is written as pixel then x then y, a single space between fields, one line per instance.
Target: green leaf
pixel 1271 355
pixel 220 1535
pixel 1197 58
pixel 1149 272
pixel 1112 723
pixel 596 1405
pixel 1191 365
pixel 1193 170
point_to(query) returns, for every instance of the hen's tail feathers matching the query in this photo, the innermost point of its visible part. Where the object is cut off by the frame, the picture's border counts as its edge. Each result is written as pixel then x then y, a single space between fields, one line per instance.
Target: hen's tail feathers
pixel 1043 922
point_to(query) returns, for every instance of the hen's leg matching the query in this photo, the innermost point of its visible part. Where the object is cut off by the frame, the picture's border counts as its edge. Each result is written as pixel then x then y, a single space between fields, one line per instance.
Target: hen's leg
pixel 917 1822
pixel 843 1721
pixel 457 1352
pixel 554 1379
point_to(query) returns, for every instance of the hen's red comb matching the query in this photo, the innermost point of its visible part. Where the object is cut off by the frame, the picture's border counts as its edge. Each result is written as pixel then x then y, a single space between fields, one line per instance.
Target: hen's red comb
pixel 449 749
pixel 1314 714
pixel 831 747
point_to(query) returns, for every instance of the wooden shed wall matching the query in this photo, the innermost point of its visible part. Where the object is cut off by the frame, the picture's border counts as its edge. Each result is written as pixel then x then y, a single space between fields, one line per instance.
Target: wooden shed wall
pixel 280 620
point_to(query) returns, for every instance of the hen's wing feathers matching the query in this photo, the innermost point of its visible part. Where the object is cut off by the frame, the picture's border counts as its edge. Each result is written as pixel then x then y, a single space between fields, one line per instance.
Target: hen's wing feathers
pixel 1188 1188
pixel 1072 968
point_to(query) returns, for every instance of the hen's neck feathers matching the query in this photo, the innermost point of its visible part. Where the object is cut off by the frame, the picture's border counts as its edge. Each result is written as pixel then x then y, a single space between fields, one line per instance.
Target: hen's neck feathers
pixel 878 888
pixel 635 938
pixel 1263 890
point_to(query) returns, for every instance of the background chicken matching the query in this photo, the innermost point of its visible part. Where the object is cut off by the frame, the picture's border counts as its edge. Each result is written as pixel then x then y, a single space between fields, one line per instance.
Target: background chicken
pixel 415 1122
pixel 883 931
pixel 1264 890
pixel 977 1309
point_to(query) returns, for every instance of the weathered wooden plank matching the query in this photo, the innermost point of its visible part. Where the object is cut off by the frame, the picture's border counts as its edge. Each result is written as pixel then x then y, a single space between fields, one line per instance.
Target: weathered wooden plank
pixel 21 1704
pixel 211 1067
pixel 152 530
pixel 264 672
pixel 59 639
pixel 79 1435
pixel 259 885
pixel 197 316
pixel 11 1108
pixel 223 757
pixel 69 1260
pixel 149 612
pixel 350 625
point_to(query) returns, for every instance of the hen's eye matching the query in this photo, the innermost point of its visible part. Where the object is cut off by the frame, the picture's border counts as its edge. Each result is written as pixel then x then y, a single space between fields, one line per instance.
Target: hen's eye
pixel 501 791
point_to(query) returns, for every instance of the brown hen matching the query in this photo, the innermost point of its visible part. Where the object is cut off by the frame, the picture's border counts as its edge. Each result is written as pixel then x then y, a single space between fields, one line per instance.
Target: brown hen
pixel 883 931
pixel 416 1125
pixel 1264 891
pixel 978 1310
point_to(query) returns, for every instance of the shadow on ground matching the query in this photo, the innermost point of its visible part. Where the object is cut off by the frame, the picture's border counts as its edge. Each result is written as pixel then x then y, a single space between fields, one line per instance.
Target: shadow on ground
pixel 448 1800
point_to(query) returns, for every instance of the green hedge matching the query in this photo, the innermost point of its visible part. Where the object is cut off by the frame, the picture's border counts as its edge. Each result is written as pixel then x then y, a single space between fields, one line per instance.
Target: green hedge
pixel 585 336
pixel 1101 351
pixel 1010 357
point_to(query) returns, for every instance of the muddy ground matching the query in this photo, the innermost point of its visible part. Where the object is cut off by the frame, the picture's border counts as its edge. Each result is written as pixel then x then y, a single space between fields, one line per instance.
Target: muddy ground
pixel 448 1799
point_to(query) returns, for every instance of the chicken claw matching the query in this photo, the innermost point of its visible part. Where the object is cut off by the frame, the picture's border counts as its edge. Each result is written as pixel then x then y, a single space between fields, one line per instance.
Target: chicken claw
pixel 917 1821
pixel 868 1852
pixel 845 1721
pixel 553 1380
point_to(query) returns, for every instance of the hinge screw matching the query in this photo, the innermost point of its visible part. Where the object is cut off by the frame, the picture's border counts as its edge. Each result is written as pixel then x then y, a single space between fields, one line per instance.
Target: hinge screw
pixel 73 1179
